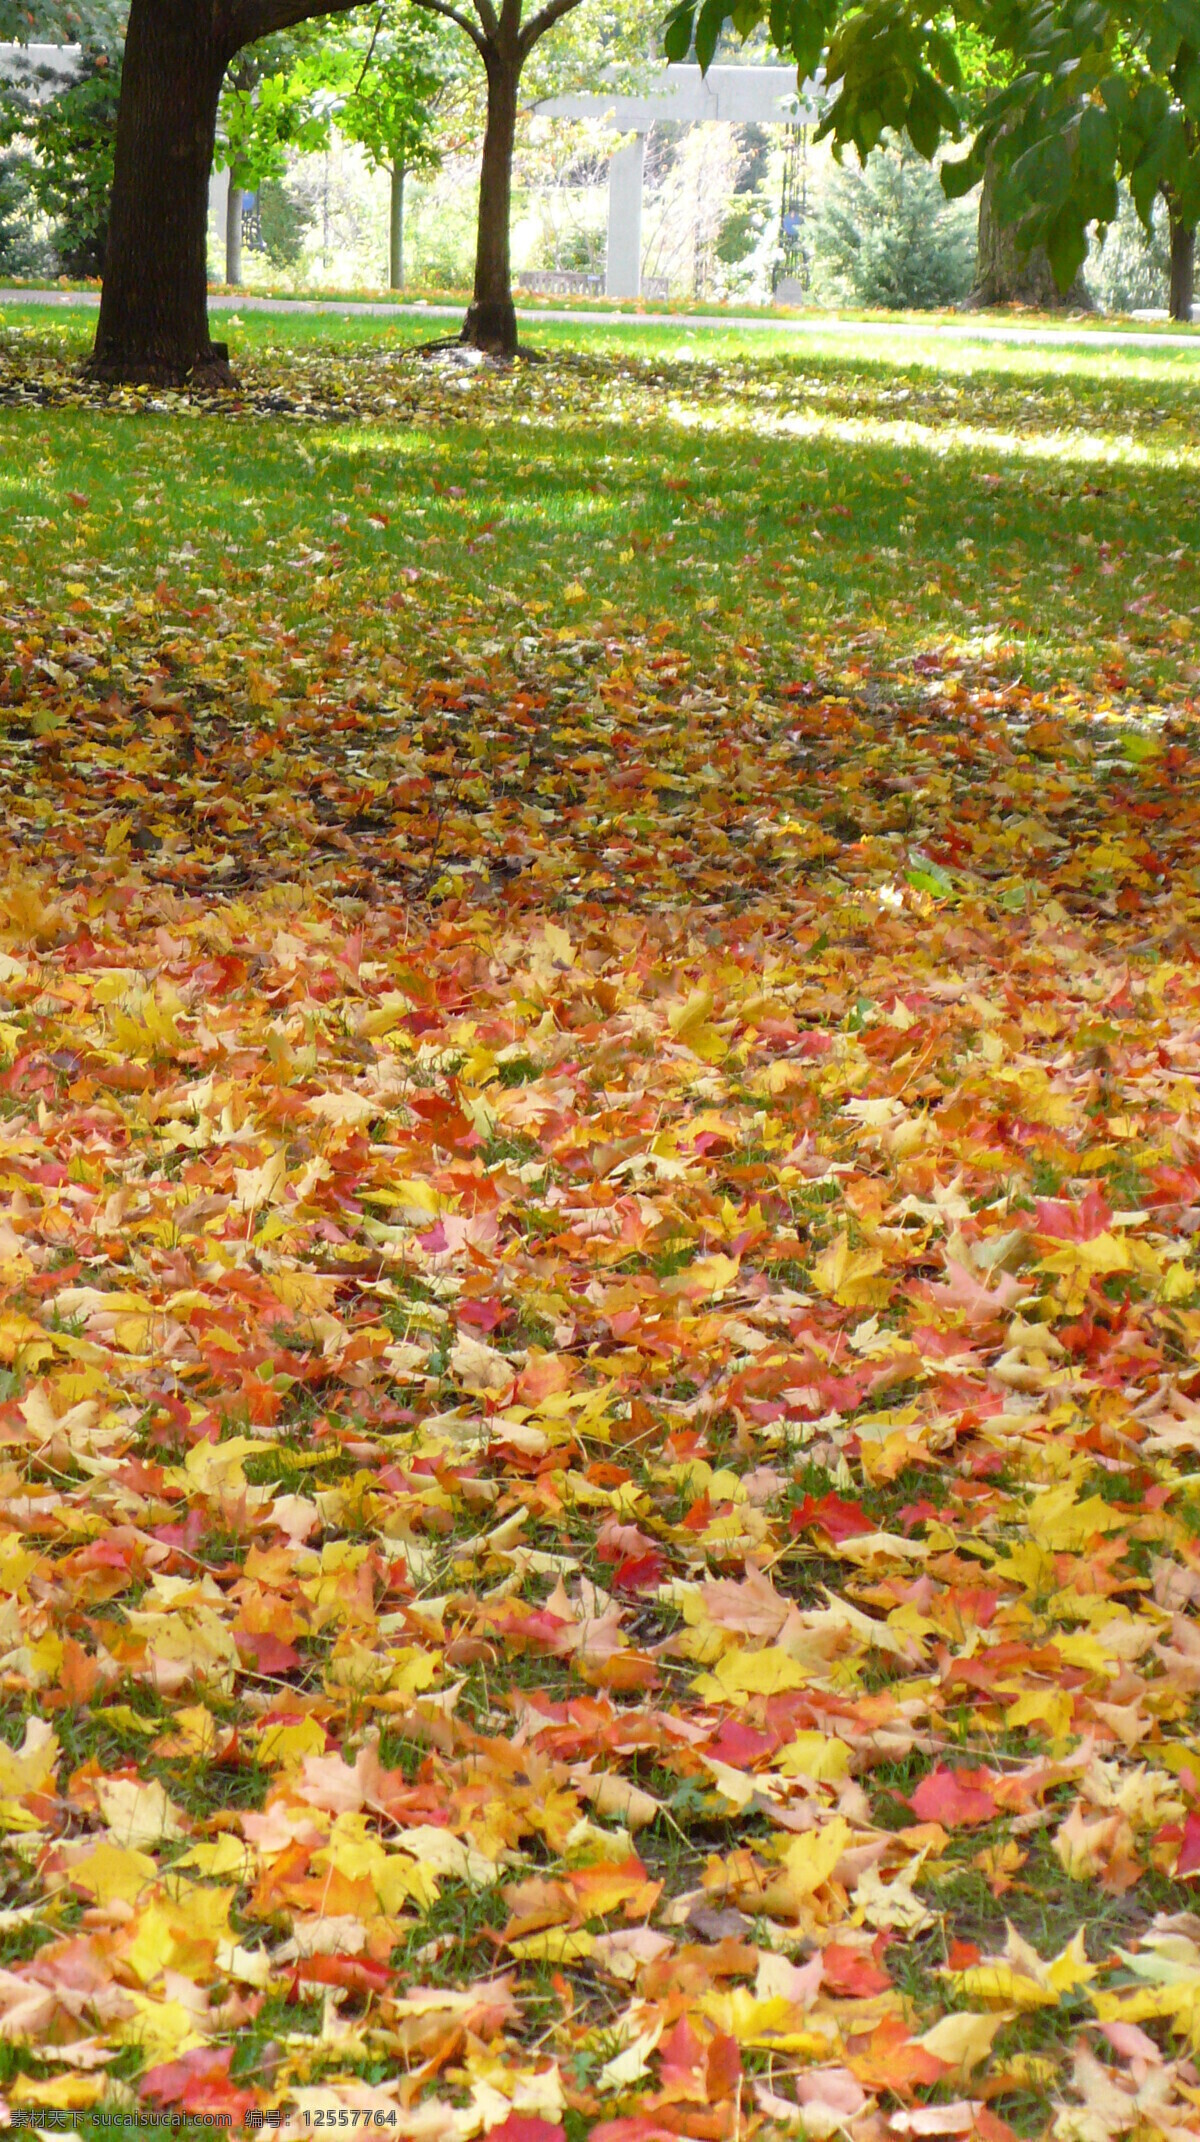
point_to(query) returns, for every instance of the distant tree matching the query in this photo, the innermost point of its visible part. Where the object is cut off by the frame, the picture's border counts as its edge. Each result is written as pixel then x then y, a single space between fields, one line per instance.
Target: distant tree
pixel 20 252
pixel 74 141
pixel 284 221
pixel 403 78
pixel 1130 272
pixel 886 235
pixel 504 36
pixel 66 123
pixel 507 37
pixel 275 101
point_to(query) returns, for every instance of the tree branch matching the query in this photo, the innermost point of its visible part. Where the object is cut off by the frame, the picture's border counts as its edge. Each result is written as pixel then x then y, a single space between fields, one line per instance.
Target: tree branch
pixel 243 22
pixel 488 17
pixel 461 22
pixel 544 20
pixel 370 52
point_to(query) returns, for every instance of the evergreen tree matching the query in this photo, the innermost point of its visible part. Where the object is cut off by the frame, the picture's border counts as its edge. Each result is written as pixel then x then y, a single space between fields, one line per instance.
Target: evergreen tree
pixel 886 235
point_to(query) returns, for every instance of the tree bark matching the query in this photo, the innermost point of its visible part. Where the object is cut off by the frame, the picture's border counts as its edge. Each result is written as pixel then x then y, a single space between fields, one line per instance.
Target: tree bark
pixel 233 233
pixel 1183 268
pixel 153 313
pixel 154 310
pixel 491 322
pixel 1004 275
pixel 396 245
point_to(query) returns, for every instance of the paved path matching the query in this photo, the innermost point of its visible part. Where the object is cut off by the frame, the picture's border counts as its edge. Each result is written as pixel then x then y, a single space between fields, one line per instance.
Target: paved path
pixel 1125 338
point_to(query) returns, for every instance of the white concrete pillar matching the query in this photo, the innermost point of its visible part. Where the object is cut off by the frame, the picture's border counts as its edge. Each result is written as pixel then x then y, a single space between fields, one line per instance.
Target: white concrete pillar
pixel 218 208
pixel 624 276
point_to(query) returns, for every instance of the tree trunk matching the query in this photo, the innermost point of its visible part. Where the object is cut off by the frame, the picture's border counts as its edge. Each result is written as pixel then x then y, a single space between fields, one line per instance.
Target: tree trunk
pixel 1004 275
pixel 396 247
pixel 233 233
pixel 1183 268
pixel 491 322
pixel 154 310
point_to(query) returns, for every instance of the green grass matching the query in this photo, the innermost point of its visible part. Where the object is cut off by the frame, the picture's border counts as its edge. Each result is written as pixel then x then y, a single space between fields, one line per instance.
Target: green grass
pixel 1032 510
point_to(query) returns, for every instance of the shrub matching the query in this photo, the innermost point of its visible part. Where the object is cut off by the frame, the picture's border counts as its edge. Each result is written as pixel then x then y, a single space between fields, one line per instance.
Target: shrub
pixel 1130 272
pixel 22 250
pixel 74 138
pixel 886 235
pixel 284 221
pixel 578 251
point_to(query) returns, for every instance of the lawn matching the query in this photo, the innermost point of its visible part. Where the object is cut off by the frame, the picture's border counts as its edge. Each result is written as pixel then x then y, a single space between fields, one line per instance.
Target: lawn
pixel 599 1420
pixel 1027 507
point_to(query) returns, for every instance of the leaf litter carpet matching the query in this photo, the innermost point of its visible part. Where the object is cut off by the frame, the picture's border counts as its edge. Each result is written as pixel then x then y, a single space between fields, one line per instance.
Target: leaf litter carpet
pixel 601 1408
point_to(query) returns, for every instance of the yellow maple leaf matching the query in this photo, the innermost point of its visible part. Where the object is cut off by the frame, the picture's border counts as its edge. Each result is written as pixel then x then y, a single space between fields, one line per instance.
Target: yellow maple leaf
pixel 66 2093
pixel 112 1873
pixel 556 1944
pixel 138 1813
pixel 962 2041
pixel 742 1674
pixel 1058 1522
pixel 704 1279
pixel 1070 1969
pixel 31 1767
pixel 219 1856
pixel 815 1755
pixel 1003 1985
pixel 22 1336
pixel 179 1936
pixel 1049 1707
pixel 287 1745
pixel 811 1858
pixel 852 1277
pixel 162 2030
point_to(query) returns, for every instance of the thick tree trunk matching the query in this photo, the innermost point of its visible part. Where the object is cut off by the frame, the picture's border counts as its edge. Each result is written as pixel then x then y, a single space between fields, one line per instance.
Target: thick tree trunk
pixel 1004 275
pixel 233 233
pixel 154 311
pixel 1183 268
pixel 491 323
pixel 396 245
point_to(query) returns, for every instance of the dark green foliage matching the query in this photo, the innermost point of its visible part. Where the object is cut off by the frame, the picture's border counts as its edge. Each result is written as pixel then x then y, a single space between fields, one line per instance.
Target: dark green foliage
pixel 885 235
pixel 21 251
pixel 579 252
pixel 739 236
pixel 284 221
pixel 60 132
pixel 1069 99
pixel 74 136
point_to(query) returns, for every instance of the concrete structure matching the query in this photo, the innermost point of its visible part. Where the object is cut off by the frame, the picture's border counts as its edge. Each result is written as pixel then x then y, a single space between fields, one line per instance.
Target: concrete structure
pixel 218 211
pixel 741 96
pixel 44 67
pixel 623 267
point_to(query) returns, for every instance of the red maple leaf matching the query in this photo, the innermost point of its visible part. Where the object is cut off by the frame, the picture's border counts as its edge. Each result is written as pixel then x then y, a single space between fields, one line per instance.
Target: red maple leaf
pixel 527 2127
pixel 1063 1222
pixel 197 2082
pixel 841 1520
pixel 956 1798
pixel 1188 1861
